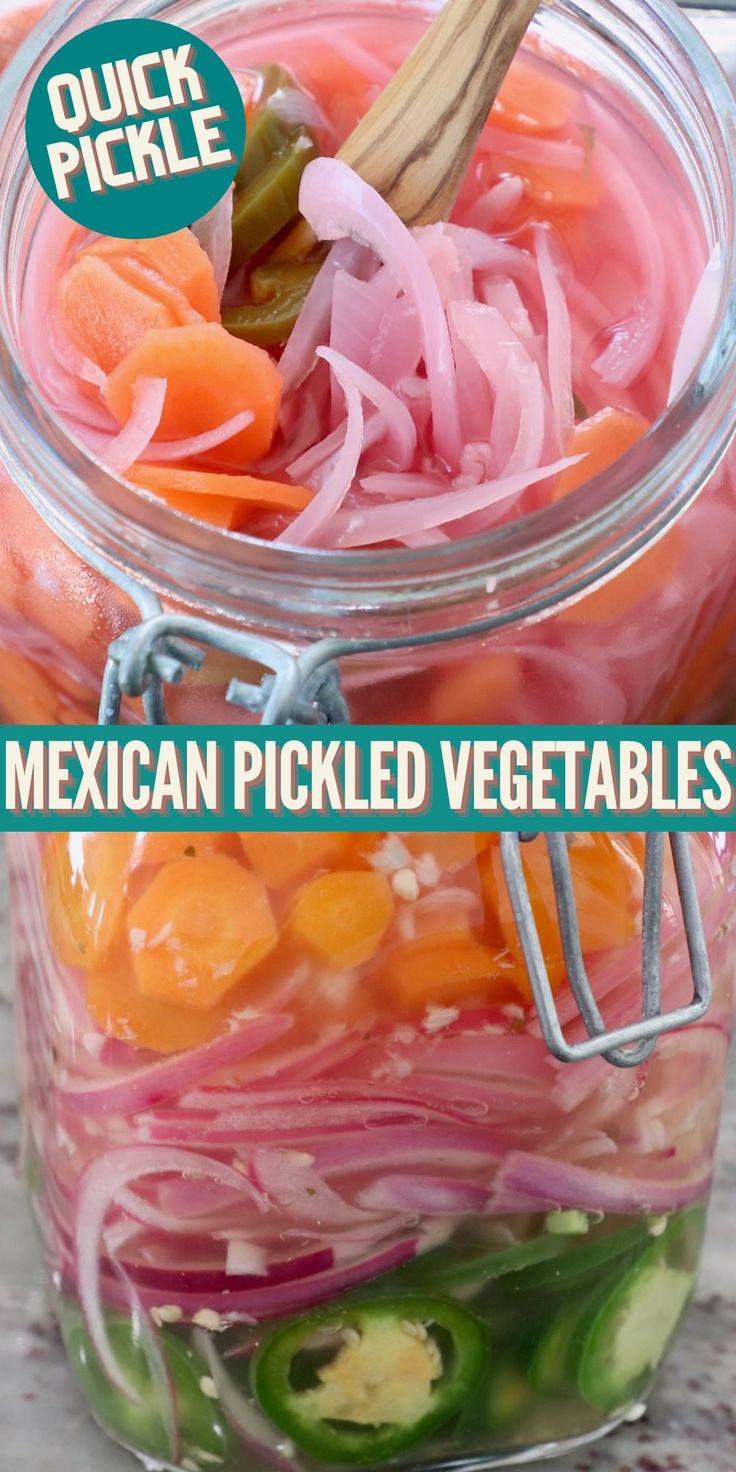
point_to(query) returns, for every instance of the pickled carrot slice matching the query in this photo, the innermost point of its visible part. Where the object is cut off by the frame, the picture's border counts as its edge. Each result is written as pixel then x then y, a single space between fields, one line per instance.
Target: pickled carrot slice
pixel 248 492
pixel 606 902
pixel 550 190
pixel 198 929
pixel 104 315
pixel 602 439
pixel 470 690
pixel 120 1009
pixel 530 100
pixel 342 90
pixel 27 696
pixel 342 917
pixel 450 851
pixel 167 848
pixel 178 258
pixel 285 858
pixel 211 376
pixel 85 881
pixel 447 973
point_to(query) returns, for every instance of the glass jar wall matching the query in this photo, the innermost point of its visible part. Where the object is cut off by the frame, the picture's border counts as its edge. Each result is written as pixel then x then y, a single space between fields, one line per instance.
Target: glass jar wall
pixel 311 1188
pixel 589 609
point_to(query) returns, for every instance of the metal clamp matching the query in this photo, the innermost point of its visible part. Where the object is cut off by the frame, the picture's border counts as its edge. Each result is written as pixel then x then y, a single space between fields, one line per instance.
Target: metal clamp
pixel 624 1047
pixel 305 688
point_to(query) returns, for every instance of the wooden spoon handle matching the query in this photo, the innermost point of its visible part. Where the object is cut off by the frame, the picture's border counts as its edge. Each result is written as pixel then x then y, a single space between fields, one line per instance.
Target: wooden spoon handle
pixel 415 142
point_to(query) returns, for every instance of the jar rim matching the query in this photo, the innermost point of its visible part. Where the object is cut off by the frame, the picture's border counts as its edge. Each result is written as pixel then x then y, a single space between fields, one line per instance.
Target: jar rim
pixel 539 559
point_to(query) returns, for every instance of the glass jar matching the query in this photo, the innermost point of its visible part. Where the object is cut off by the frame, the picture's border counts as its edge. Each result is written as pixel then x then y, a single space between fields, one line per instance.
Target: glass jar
pixel 311 1188
pixel 615 603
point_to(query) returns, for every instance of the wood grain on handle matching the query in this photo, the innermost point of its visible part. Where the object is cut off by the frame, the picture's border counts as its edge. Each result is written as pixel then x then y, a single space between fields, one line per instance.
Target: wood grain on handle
pixel 415 142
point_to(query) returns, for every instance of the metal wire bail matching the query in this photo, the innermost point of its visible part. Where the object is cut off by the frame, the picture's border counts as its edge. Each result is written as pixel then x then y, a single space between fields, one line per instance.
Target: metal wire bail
pixel 302 688
pixel 624 1047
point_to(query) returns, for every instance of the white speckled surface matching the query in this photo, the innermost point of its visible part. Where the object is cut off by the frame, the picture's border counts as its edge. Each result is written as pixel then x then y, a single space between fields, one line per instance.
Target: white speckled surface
pixel 690 1426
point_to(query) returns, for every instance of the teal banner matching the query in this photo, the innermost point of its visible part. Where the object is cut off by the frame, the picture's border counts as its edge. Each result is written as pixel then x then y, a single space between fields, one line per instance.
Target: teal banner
pixel 407 778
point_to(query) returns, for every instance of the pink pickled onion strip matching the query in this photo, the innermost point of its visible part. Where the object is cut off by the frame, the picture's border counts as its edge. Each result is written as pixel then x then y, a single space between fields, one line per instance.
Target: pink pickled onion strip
pixel 70 357
pixel 214 233
pixel 307 527
pixel 198 444
pixel 288 1179
pixel 428 1195
pixel 538 1181
pixel 98 1186
pixel 338 203
pixel 559 342
pixel 543 153
pixel 313 322
pixel 698 323
pixel 242 1413
pixel 131 443
pixel 633 342
pixel 401 435
pixel 146 1087
pixel 382 524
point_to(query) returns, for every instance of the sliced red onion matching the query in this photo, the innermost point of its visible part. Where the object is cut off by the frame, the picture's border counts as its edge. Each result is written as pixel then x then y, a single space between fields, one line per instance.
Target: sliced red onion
pixel 289 1181
pixel 131 443
pixel 297 109
pixel 217 1287
pixel 425 1195
pixel 310 524
pixel 633 342
pixel 559 342
pixel 337 203
pixel 400 431
pixel 368 525
pixel 98 1186
pixel 313 323
pixel 698 323
pixel 214 233
pixel 167 451
pixel 543 153
pixel 242 1414
pixel 159 1081
pixel 526 1181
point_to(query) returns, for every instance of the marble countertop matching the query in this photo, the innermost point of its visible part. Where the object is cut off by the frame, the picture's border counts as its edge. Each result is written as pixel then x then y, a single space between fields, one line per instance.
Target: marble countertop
pixel 690 1425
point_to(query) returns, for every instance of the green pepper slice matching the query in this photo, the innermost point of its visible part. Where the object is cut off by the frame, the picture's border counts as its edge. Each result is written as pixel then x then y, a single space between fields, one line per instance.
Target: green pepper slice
pixel 266 137
pixel 463 1270
pixel 141 1424
pixel 278 296
pixel 360 1382
pixel 271 200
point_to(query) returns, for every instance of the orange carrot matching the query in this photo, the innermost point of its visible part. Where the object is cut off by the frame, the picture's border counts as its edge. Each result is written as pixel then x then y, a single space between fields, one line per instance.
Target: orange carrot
pixel 603 873
pixel 284 858
pixel 166 848
pixel 548 189
pixel 198 929
pixel 247 491
pixel 602 439
pixel 474 690
pixel 178 258
pixel 448 851
pixel 105 316
pixel 343 916
pixel 530 100
pixel 211 376
pixel 85 881
pixel 447 973
pixel 121 1010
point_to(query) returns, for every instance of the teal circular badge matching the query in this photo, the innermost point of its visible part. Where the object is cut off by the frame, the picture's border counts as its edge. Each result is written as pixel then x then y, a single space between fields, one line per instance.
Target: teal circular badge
pixel 135 128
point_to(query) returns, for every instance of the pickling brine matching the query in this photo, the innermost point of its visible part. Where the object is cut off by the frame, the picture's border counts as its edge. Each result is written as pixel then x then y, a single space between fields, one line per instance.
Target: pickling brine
pixel 363 400
pixel 311 1188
